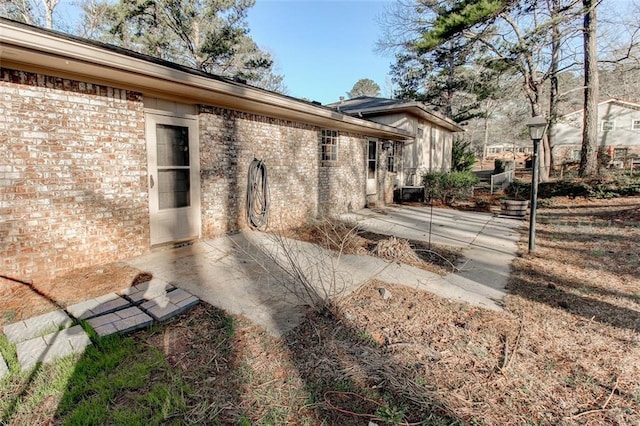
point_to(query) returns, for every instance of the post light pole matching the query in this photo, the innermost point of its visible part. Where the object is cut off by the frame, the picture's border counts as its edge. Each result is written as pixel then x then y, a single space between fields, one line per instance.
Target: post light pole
pixel 537 127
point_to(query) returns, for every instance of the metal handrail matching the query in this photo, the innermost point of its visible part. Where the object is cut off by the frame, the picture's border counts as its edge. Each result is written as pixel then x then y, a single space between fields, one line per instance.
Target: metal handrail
pixel 503 179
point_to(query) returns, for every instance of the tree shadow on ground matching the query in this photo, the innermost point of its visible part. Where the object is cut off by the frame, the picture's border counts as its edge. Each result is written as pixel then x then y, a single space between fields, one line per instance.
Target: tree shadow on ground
pixel 548 289
pixel 208 367
pixel 351 377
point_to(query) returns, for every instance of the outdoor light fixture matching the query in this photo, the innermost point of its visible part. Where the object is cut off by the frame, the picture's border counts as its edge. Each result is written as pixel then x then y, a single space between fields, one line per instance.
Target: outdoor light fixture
pixel 387 145
pixel 537 126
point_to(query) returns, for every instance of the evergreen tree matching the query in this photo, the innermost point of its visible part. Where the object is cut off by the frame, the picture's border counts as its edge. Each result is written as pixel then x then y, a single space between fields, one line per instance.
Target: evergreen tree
pixel 210 35
pixel 364 87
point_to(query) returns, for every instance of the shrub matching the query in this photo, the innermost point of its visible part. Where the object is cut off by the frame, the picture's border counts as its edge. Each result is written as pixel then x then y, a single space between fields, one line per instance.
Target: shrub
pixel 448 186
pixel 519 190
pixel 617 186
pixel 462 156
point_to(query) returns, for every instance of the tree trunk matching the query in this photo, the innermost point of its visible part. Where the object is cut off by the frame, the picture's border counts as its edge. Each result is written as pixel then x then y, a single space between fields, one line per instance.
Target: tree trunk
pixel 49 6
pixel 553 91
pixel 588 163
pixel 533 90
pixel 486 140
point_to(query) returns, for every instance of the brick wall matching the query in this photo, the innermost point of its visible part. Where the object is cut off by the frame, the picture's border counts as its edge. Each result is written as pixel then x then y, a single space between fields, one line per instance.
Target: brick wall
pixel 229 141
pixel 72 175
pixel 299 187
pixel 342 183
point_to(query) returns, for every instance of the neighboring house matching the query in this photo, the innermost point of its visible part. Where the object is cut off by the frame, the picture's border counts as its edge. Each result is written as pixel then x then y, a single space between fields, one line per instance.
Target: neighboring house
pixel 107 153
pixel 618 133
pixel 433 135
pixel 509 152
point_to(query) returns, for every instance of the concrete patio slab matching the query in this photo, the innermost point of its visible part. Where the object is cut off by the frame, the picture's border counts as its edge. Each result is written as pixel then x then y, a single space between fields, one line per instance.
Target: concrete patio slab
pixel 251 274
pixel 97 306
pixel 36 326
pixel 51 346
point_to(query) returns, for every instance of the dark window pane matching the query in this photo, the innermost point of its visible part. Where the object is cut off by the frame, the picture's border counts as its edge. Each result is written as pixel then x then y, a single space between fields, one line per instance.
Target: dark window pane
pixel 173 145
pixel 372 150
pixel 173 189
pixel 371 174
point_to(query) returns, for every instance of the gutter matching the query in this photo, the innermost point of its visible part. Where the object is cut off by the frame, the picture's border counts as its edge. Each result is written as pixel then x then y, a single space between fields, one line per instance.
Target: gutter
pixel 38 50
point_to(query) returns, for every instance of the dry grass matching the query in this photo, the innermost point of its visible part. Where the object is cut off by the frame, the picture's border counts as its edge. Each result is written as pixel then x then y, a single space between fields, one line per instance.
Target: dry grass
pixel 565 351
pixel 339 236
pixel 21 300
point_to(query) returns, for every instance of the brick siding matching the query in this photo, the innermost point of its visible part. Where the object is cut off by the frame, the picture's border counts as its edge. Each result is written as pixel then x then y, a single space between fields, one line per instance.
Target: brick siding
pixel 229 141
pixel 342 183
pixel 299 186
pixel 72 175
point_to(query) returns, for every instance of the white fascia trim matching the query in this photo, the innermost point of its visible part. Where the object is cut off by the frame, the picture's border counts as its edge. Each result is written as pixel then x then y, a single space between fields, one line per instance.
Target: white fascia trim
pixel 50 44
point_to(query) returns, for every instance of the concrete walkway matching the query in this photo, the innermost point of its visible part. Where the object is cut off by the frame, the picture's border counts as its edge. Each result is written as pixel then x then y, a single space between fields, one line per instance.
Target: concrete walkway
pixel 255 275
pixel 246 273
pixel 488 242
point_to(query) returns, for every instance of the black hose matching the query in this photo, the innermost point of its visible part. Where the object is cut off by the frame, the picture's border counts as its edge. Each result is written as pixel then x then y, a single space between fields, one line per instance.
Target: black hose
pixel 257 195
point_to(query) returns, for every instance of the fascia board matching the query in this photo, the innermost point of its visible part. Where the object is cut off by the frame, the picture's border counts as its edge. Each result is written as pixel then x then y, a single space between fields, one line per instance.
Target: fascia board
pixel 48 52
pixel 416 109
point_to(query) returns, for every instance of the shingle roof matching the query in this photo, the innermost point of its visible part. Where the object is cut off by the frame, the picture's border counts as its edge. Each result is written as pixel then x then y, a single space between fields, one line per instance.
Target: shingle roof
pixel 368 106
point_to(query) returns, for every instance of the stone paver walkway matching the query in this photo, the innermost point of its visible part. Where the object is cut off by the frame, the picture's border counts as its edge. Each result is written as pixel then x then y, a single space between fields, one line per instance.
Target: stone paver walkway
pixel 98 306
pixel 53 335
pixel 123 321
pixel 52 346
pixel 37 326
pixel 4 370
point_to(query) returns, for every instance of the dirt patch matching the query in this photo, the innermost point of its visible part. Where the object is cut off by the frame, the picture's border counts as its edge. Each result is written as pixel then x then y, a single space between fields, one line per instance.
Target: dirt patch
pixel 21 300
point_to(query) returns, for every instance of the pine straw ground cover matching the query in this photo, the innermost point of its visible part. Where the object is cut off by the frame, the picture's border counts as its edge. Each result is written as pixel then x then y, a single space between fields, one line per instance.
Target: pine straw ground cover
pixel 566 350
pixel 20 300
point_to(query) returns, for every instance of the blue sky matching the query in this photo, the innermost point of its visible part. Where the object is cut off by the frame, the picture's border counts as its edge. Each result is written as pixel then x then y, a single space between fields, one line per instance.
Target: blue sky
pixel 322 47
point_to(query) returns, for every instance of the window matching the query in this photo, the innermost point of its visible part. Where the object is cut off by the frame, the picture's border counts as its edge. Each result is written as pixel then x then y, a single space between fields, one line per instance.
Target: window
pixel 420 132
pixel 635 124
pixel 329 145
pixel 607 125
pixel 391 157
pixel 619 153
pixel 575 154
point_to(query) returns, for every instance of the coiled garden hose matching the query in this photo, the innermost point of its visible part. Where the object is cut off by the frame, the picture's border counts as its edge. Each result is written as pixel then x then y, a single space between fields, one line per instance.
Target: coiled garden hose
pixel 258 195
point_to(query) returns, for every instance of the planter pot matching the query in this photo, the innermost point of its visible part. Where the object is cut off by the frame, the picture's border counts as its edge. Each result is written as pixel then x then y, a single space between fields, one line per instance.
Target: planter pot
pixel 516 208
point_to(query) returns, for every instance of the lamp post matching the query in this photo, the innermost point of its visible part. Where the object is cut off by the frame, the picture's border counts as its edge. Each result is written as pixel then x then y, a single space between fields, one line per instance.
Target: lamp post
pixel 537 126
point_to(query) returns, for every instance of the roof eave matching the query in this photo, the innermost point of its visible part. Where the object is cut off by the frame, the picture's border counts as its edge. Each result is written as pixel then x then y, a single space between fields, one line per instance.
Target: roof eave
pixel 44 51
pixel 415 108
